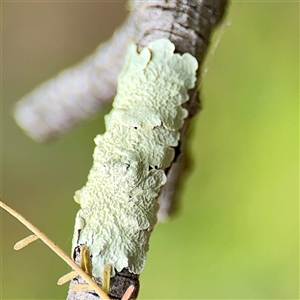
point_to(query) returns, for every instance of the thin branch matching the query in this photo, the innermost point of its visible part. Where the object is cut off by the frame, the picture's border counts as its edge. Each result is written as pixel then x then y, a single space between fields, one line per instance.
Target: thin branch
pixel 55 248
pixel 56 106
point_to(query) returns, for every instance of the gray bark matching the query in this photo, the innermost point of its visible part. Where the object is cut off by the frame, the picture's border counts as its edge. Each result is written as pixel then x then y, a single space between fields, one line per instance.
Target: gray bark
pixel 75 94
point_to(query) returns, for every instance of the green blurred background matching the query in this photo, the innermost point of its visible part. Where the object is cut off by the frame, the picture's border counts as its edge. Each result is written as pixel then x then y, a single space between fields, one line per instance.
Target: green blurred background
pixel 236 234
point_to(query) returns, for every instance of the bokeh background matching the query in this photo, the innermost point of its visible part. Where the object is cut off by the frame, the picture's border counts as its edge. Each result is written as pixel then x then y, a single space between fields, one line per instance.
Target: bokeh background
pixel 236 235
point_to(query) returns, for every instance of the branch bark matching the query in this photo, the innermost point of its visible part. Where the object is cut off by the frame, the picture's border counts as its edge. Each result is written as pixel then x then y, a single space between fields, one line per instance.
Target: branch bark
pixel 188 25
pixel 75 95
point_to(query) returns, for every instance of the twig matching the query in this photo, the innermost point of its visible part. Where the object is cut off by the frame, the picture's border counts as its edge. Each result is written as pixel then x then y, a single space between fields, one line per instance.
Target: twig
pixel 55 248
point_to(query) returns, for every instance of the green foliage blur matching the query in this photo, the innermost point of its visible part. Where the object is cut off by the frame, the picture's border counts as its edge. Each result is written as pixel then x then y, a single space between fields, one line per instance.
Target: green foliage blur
pixel 236 234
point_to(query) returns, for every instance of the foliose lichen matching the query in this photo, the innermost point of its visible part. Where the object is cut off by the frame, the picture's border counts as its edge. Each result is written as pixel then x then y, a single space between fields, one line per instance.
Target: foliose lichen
pixel 119 201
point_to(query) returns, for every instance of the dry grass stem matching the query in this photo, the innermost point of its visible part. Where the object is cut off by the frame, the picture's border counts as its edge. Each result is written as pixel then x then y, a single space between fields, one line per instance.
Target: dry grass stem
pixel 56 249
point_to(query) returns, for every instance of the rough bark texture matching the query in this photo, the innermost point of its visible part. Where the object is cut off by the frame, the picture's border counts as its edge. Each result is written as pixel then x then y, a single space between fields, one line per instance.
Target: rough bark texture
pixel 78 93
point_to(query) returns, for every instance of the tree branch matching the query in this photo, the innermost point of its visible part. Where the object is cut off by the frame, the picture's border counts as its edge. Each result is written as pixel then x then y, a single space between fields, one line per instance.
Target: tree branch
pixel 76 94
pixel 56 106
pixel 188 26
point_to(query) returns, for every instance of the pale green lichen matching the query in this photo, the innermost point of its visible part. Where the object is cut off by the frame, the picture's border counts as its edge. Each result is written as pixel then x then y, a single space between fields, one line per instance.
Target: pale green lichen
pixel 119 201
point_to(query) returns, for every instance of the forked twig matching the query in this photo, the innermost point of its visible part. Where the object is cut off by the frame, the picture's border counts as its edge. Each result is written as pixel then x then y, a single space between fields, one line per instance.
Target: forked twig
pixel 56 249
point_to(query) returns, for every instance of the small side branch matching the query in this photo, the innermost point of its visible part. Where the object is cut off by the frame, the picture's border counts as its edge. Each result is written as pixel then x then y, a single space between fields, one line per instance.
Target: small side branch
pixel 55 107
